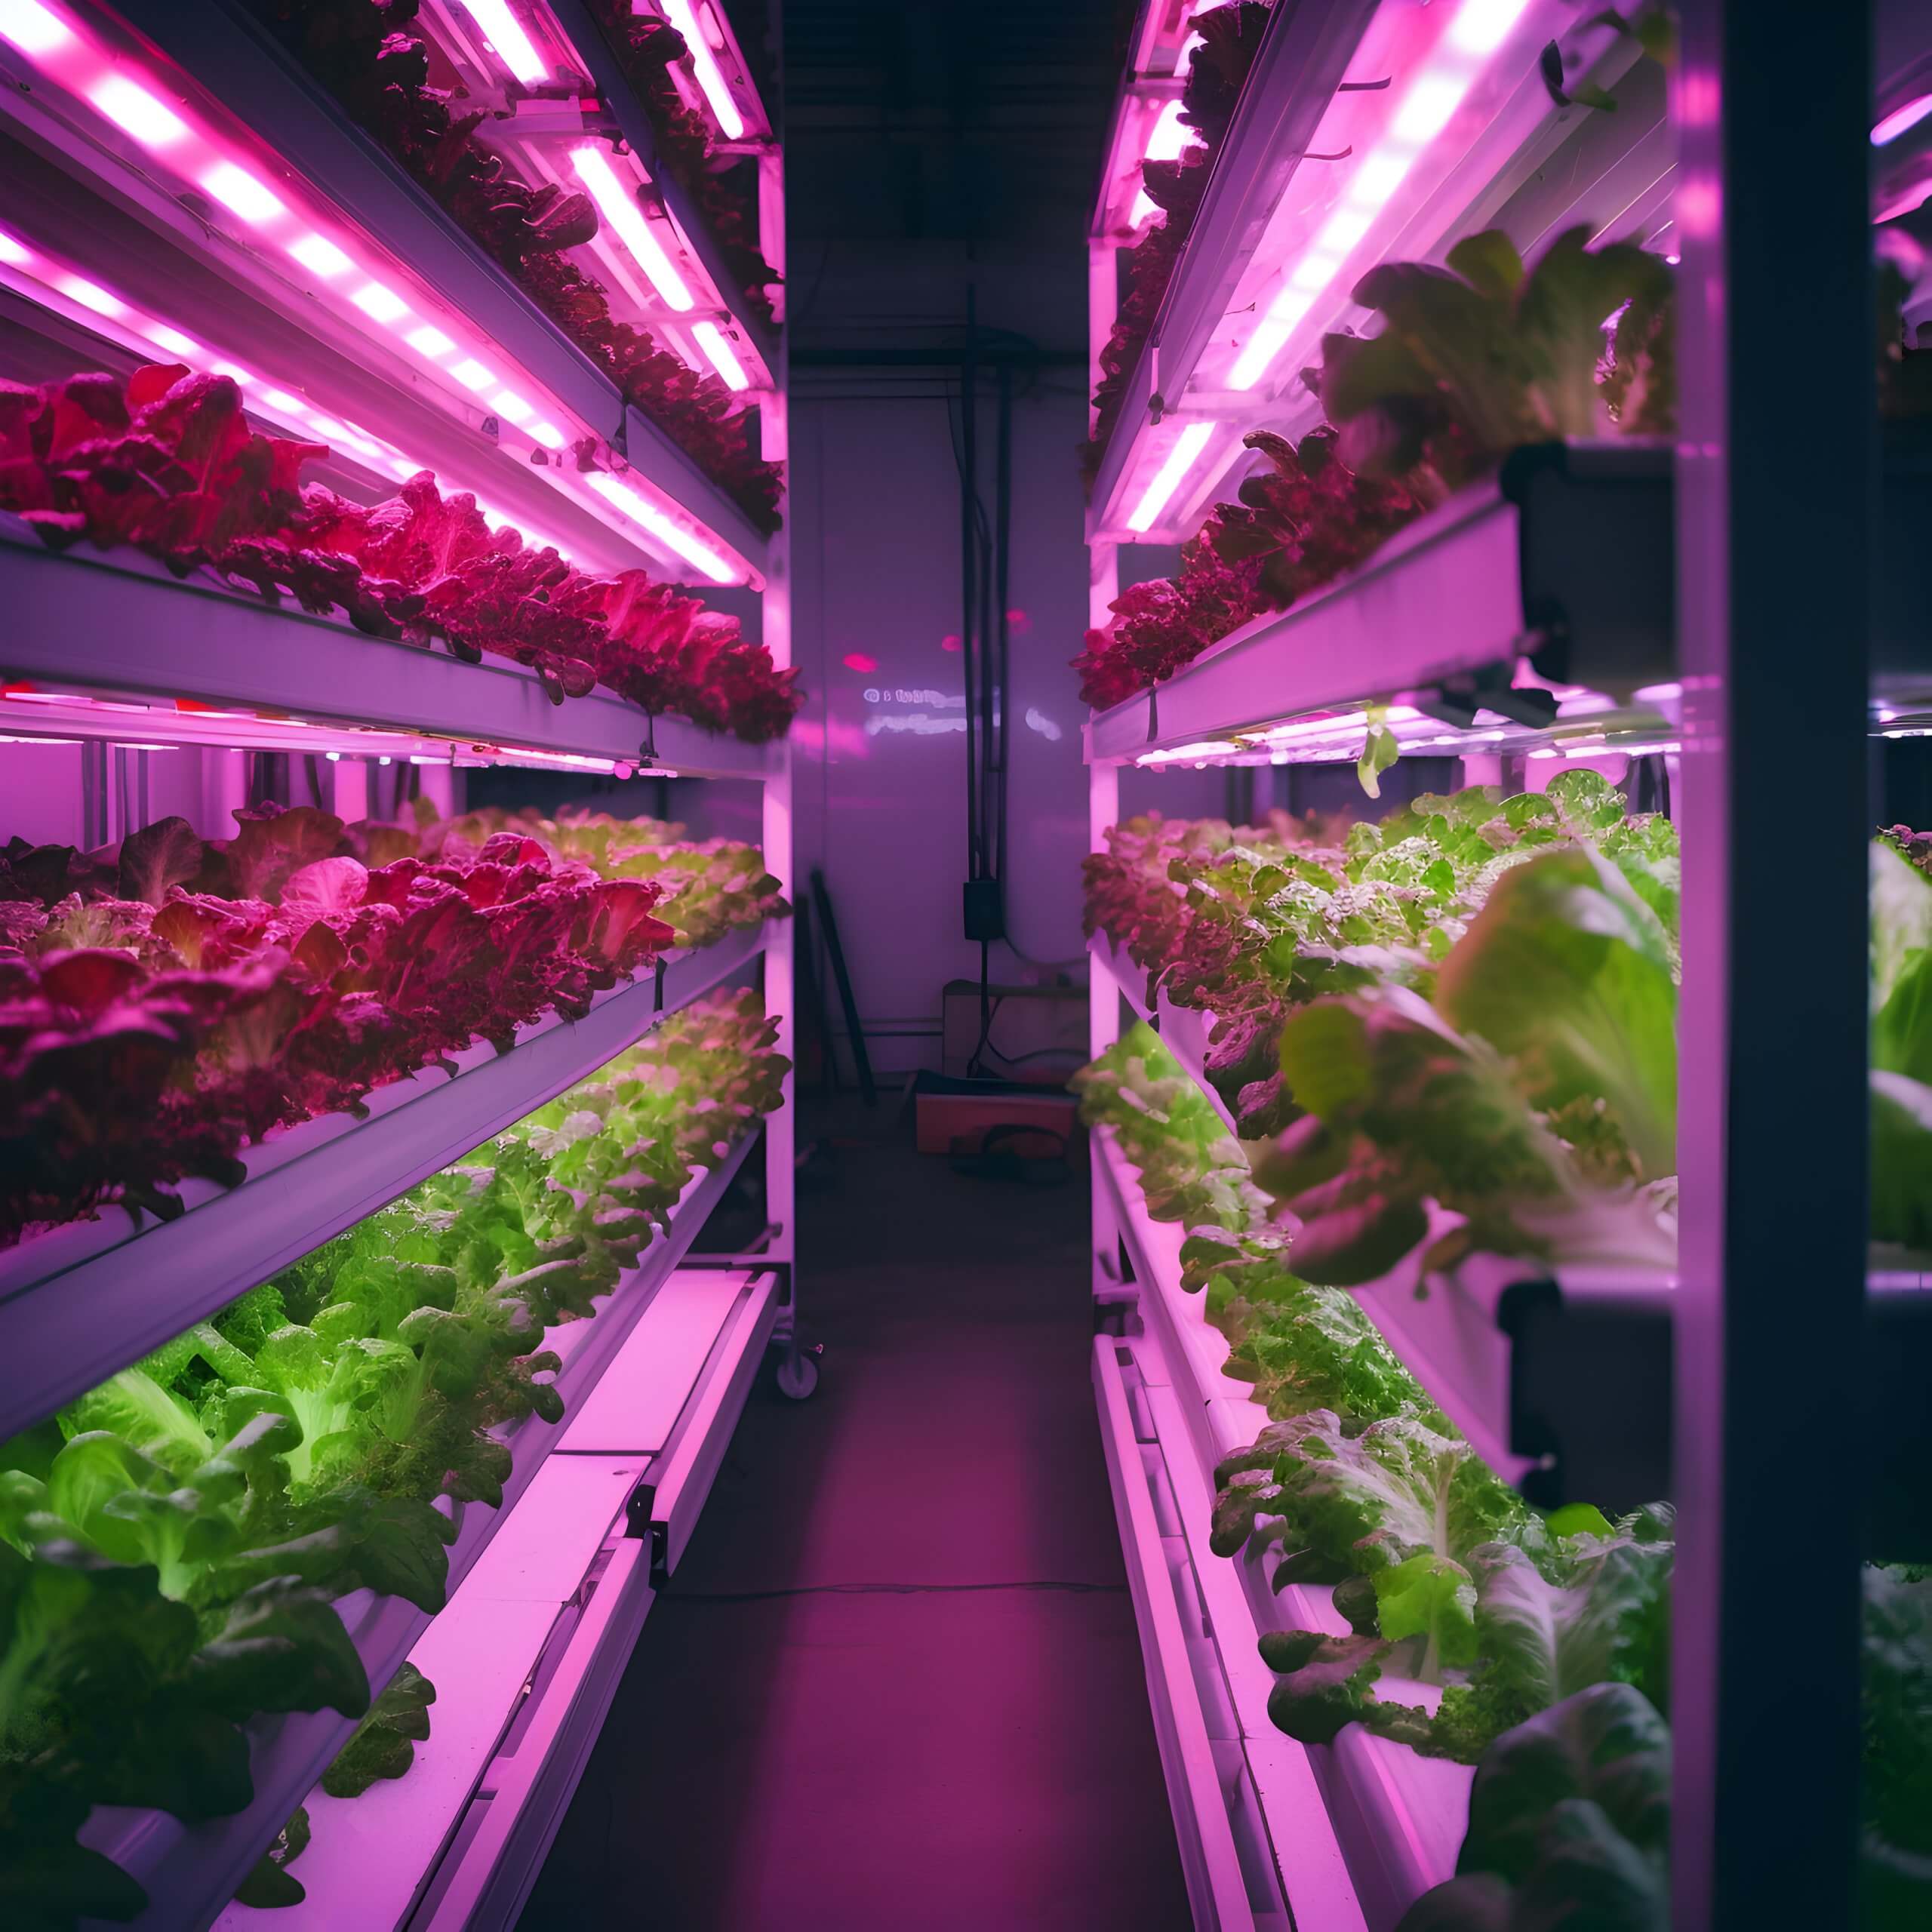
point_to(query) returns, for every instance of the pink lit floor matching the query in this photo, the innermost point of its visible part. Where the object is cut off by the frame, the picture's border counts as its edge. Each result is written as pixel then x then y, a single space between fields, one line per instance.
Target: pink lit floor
pixel 895 1682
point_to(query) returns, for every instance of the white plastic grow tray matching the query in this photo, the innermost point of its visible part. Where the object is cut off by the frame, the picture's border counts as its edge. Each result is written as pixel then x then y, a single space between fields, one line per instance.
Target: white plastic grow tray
pixel 1398 1818
pixel 1183 1029
pixel 524 1658
pixel 190 1872
pixel 119 625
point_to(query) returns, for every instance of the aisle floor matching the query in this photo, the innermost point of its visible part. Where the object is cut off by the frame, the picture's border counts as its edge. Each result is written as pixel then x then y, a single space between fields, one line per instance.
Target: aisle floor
pixel 896 1681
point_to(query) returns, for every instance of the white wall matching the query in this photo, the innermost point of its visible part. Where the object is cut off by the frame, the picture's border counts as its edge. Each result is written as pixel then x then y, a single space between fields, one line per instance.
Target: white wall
pixel 881 744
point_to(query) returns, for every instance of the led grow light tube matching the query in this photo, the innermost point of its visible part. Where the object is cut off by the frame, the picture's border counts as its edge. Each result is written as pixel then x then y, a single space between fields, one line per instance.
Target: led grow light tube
pixel 265 398
pixel 238 190
pixel 1168 135
pixel 718 353
pixel 647 516
pixel 1188 446
pixel 62 717
pixel 683 15
pixel 1900 119
pixel 208 160
pixel 504 35
pixel 1422 111
pixel 31 27
pixel 135 111
pixel 76 61
pixel 380 303
pixel 619 206
pixel 320 256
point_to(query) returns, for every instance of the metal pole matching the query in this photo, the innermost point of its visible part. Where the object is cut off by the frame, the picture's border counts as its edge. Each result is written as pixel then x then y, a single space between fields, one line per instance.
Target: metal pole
pixel 780 987
pixel 1773 603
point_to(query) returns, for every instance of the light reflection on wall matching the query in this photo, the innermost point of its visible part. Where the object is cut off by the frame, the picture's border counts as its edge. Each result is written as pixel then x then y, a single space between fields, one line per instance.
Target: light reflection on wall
pixel 930 718
pixel 922 723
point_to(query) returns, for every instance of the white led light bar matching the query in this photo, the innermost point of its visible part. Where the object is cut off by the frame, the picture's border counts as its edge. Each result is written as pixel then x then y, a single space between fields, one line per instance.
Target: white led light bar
pixel 618 206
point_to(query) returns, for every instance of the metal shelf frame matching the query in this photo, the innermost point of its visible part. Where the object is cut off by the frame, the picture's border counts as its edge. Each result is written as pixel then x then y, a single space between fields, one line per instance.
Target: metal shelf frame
pixel 117 650
pixel 1773 663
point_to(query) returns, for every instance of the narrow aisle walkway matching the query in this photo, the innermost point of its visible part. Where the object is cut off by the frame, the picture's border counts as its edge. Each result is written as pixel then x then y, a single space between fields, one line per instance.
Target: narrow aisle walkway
pixel 896 1683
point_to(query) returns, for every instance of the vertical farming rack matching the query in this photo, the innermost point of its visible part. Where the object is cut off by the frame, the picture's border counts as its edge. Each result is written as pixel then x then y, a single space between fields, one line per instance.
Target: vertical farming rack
pixel 183 187
pixel 1630 584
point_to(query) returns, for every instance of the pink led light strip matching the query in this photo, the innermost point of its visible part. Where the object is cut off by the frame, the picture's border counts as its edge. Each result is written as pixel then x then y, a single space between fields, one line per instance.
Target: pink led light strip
pixel 503 33
pixel 1424 108
pixel 1335 735
pixel 36 274
pixel 200 158
pixel 1454 61
pixel 683 15
pixel 69 56
pixel 196 727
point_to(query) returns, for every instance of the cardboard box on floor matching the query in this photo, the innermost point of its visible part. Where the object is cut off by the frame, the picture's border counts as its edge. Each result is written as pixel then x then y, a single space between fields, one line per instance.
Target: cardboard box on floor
pixel 978 1116
pixel 1037 1037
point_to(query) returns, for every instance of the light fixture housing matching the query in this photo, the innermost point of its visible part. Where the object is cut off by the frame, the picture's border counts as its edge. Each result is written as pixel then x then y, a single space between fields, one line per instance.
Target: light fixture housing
pixel 618 206
pixel 508 40
pixel 1188 446
pixel 683 15
pixel 719 353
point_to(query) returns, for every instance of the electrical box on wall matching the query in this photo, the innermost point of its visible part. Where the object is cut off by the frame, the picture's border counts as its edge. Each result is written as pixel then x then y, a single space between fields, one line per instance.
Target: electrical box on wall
pixel 986 917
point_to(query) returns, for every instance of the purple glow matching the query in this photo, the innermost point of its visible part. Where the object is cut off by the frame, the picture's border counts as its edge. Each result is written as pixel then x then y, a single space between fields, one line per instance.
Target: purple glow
pixel 1896 123
pixel 618 205
pixel 1180 460
pixel 683 15
pixel 504 34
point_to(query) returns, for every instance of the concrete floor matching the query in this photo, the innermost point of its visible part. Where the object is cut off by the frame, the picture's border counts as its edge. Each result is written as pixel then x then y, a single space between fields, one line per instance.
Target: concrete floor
pixel 896 1681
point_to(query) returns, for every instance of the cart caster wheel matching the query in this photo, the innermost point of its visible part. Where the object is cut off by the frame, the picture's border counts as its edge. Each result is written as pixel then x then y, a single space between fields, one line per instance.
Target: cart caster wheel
pixel 797 1375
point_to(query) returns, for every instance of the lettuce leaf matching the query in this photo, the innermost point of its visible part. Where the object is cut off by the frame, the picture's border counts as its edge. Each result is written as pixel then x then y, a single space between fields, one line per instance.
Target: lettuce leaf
pixel 1597 1610
pixel 1897 1724
pixel 1397 1500
pixel 1569 1824
pixel 1567 973
pixel 384 1745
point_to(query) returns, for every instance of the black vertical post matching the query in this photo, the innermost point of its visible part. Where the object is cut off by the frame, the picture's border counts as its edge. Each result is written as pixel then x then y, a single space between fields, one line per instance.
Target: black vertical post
pixel 969 578
pixel 828 926
pixel 1002 722
pixel 1773 109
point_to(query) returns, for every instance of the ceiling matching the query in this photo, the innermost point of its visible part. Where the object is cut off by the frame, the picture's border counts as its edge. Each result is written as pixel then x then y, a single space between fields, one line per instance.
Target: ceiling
pixel 966 123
